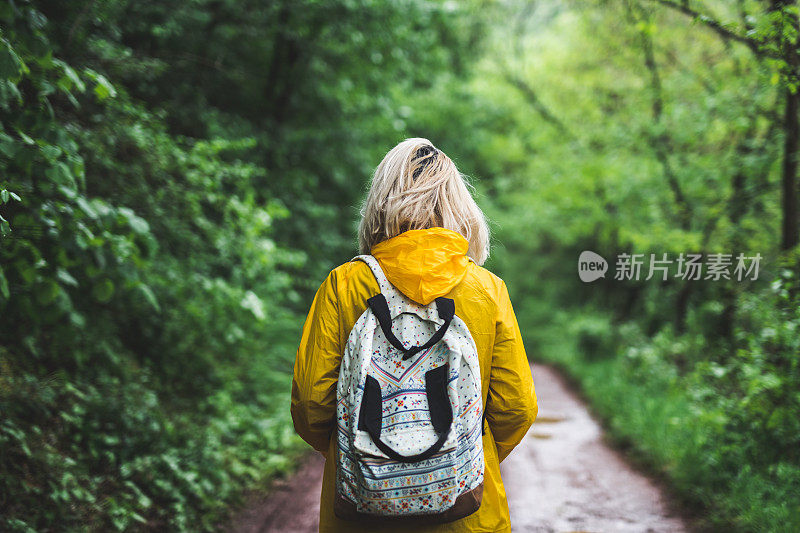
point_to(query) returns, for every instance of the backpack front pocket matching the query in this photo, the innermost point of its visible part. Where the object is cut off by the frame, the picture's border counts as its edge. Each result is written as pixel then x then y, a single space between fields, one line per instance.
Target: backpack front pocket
pixel 388 487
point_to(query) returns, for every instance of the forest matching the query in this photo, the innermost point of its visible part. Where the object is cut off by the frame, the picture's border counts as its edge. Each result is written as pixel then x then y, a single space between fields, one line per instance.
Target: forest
pixel 177 179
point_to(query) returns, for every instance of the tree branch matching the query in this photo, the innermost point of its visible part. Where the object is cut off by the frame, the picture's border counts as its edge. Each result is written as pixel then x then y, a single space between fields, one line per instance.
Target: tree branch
pixel 716 26
pixel 661 142
pixel 536 103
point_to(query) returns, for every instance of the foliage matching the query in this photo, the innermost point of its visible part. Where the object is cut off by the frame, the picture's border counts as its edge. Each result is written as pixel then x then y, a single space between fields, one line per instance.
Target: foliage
pixel 175 179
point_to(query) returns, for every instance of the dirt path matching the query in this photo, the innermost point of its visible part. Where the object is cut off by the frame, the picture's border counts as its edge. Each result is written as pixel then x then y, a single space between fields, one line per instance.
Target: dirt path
pixel 292 506
pixel 561 478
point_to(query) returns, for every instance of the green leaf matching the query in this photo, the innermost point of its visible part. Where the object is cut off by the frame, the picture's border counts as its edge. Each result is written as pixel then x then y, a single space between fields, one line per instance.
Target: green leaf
pixel 4 285
pixel 70 78
pixel 68 191
pixel 4 195
pixel 61 175
pixel 86 207
pixel 27 139
pixel 103 290
pixel 137 223
pixel 51 152
pixel 9 92
pixel 47 292
pixel 11 66
pixel 45 60
pixel 66 278
pixel 104 89
pixel 150 296
pixel 25 270
pixel 8 146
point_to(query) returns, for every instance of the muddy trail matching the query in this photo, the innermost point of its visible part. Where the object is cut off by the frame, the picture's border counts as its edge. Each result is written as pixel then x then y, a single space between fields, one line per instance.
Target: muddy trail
pixel 563 477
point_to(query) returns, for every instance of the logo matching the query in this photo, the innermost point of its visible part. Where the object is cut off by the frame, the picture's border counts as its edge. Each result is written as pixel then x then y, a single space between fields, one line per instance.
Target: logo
pixel 591 266
pixel 687 266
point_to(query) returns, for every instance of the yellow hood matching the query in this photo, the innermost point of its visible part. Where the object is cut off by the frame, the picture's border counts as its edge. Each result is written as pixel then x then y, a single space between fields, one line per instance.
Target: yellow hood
pixel 424 263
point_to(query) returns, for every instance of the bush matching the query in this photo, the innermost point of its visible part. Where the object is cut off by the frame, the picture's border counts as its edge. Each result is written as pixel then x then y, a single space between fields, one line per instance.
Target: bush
pixel 595 335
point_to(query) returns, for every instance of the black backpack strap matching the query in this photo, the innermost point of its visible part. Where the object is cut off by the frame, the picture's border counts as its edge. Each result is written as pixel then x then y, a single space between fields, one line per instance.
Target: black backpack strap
pixel 370 418
pixel 445 306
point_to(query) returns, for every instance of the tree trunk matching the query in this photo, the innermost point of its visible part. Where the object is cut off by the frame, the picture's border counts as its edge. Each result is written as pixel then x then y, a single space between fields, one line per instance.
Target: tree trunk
pixel 791 128
pixel 791 131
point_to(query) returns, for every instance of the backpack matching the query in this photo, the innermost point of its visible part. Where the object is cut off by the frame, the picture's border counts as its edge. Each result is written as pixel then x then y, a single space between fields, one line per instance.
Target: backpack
pixel 409 412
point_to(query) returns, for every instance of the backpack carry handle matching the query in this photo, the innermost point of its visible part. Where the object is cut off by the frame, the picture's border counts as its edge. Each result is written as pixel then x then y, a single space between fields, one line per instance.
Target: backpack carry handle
pixel 371 415
pixel 445 306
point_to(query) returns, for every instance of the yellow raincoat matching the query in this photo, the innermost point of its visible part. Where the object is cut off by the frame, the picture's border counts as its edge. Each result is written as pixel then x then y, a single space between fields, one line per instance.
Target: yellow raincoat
pixel 423 264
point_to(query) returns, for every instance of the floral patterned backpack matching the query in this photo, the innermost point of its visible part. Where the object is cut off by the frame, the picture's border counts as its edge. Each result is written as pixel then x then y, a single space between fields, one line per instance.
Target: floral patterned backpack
pixel 409 412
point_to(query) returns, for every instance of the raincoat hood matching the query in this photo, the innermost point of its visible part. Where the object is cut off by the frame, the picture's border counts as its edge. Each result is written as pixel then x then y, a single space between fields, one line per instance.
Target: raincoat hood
pixel 424 263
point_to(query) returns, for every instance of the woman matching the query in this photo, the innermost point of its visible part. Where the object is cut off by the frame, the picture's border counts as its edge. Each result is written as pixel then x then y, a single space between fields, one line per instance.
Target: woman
pixel 429 237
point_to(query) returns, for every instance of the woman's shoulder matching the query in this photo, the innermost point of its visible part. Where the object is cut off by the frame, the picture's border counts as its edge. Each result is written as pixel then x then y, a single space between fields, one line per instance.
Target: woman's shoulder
pixel 346 268
pixel 349 269
pixel 350 276
pixel 484 280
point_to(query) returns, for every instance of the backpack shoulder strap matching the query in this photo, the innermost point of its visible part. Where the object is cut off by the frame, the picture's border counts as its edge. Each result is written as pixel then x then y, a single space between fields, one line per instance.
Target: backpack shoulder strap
pixel 387 289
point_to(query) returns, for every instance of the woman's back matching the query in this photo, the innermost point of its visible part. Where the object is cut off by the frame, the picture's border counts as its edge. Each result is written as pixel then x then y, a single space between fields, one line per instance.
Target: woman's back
pixel 423 264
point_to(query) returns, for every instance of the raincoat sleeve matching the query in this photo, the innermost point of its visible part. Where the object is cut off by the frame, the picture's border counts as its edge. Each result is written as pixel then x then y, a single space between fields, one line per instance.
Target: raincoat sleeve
pixel 316 369
pixel 511 405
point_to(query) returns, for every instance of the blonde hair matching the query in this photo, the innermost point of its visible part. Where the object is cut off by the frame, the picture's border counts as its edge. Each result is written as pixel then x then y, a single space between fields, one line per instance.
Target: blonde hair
pixel 417 186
